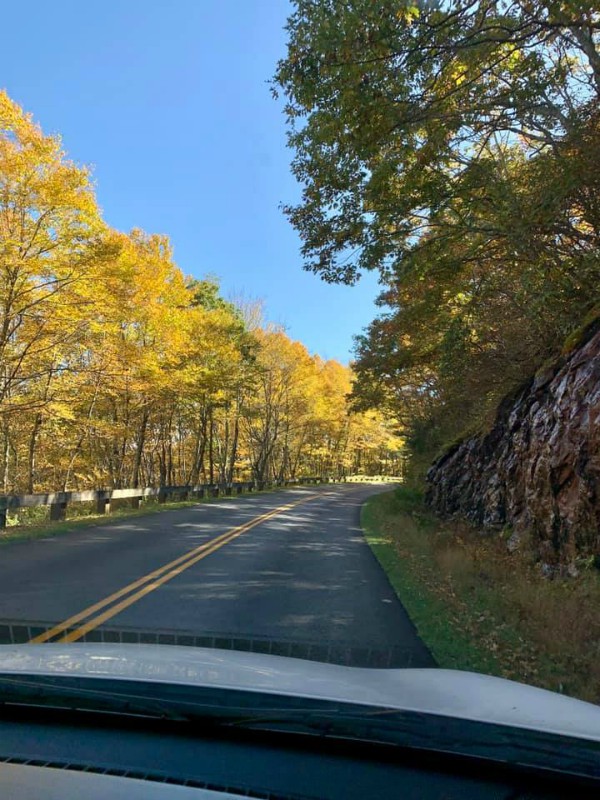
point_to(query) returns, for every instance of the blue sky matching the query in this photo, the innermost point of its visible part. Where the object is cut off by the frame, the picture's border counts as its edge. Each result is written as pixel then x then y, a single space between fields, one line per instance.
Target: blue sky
pixel 169 103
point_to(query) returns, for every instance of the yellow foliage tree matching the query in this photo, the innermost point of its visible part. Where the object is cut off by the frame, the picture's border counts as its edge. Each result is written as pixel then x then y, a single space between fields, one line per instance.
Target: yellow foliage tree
pixel 116 369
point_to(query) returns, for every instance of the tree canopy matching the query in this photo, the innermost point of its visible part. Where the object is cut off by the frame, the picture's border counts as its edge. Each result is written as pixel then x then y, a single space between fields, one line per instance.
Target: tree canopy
pixel 454 148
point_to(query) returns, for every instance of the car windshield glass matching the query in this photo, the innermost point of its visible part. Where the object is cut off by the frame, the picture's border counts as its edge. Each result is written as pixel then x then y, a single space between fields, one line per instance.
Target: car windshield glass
pixel 300 351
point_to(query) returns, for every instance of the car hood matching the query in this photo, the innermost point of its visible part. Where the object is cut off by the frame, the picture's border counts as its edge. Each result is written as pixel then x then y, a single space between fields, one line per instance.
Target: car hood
pixel 451 693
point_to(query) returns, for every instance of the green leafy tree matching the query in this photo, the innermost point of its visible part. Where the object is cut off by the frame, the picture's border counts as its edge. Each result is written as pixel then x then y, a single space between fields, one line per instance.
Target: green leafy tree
pixel 454 147
pixel 391 104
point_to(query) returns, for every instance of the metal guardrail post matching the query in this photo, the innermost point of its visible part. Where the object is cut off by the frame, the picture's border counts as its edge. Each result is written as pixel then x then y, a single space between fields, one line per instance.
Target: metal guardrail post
pixel 103 503
pixel 58 511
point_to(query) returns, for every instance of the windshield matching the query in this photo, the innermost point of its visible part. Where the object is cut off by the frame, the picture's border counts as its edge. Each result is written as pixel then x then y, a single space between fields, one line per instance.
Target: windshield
pixel 300 335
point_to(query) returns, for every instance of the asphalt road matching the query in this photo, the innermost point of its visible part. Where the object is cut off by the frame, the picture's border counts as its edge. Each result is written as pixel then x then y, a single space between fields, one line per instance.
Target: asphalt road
pixel 303 581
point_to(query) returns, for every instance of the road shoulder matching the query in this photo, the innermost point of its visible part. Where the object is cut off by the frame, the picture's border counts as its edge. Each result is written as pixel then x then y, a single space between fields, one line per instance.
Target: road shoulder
pixel 394 539
pixel 479 608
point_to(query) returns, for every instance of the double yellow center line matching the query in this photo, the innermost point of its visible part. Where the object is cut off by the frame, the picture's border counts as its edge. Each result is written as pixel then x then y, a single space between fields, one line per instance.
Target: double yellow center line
pixel 71 630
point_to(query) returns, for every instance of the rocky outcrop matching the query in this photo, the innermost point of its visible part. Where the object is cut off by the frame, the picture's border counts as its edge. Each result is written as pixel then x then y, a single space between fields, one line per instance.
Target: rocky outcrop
pixel 538 469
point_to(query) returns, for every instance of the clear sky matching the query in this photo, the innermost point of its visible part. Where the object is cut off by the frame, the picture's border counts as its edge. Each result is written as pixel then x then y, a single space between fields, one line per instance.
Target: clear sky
pixel 169 103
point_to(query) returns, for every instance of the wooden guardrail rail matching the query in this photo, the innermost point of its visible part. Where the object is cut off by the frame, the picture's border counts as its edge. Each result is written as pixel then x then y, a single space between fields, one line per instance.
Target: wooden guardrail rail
pixel 58 501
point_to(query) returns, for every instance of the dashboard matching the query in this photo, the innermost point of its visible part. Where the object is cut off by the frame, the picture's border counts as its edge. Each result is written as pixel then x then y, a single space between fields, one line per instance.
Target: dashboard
pixel 53 753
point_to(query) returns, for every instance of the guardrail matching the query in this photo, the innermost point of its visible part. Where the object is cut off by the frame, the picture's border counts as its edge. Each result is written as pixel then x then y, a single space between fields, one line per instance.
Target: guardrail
pixel 373 479
pixel 58 501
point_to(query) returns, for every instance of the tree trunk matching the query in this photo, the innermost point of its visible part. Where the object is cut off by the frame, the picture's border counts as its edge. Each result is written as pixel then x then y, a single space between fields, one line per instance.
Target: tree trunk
pixel 31 454
pixel 199 450
pixel 162 465
pixel 5 456
pixel 234 447
pixel 211 454
pixel 135 479
pixel 225 452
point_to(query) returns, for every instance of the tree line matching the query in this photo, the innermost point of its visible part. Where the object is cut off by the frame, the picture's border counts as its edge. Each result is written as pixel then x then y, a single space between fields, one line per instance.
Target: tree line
pixel 454 148
pixel 118 370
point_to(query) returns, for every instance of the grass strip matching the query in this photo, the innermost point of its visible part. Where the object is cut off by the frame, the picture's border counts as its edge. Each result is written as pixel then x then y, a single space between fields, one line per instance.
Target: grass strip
pixel 479 608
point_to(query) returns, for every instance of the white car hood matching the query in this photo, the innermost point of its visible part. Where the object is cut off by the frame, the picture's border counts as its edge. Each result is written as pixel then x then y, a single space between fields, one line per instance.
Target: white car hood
pixel 464 695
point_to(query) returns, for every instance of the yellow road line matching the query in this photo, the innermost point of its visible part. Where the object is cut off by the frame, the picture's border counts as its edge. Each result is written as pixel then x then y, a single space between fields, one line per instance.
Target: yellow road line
pixel 154 579
pixel 43 637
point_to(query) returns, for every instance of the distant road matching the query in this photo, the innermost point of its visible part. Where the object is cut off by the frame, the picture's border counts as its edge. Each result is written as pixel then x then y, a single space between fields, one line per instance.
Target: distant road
pixel 286 572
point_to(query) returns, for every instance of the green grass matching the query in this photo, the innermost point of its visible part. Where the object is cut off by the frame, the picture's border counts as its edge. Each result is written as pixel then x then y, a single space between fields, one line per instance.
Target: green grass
pixel 481 609
pixel 405 563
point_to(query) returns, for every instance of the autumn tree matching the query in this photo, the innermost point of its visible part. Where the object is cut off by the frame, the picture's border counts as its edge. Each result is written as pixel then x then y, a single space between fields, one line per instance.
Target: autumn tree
pixel 117 369
pixel 50 242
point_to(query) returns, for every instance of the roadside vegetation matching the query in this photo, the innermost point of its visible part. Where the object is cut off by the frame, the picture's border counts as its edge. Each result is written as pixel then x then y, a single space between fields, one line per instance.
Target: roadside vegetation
pixel 479 607
pixel 454 149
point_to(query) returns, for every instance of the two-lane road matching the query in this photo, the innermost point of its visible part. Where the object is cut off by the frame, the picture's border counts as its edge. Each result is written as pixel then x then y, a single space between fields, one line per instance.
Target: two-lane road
pixel 288 571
